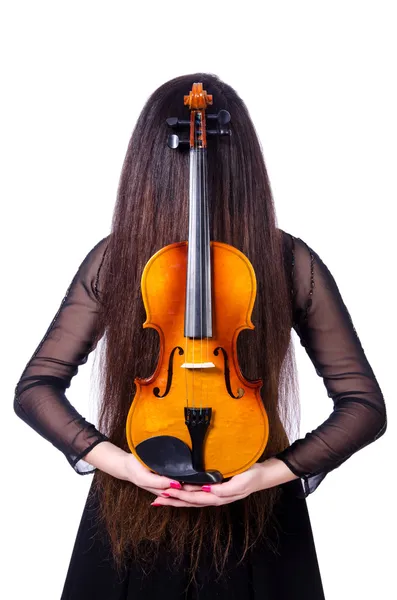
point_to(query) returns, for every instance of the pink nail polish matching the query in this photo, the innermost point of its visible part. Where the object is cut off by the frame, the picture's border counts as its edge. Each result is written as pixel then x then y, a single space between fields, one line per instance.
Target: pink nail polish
pixel 165 494
pixel 176 485
pixel 155 504
pixel 206 488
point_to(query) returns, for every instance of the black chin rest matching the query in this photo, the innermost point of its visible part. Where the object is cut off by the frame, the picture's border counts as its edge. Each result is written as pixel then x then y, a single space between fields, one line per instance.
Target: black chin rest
pixel 169 456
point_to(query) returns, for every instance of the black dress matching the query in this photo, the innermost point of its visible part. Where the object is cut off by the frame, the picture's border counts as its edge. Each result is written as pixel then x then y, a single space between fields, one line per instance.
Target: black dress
pixel 290 570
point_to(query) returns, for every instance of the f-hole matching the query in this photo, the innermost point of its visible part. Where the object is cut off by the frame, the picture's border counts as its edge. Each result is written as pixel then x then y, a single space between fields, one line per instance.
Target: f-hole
pixel 156 390
pixel 240 391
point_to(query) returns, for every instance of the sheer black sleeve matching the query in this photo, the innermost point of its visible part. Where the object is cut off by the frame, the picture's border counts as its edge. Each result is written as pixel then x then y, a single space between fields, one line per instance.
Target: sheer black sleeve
pixel 327 333
pixel 40 392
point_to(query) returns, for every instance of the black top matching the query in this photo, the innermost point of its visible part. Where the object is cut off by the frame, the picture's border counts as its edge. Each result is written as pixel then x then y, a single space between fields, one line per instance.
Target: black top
pixel 321 321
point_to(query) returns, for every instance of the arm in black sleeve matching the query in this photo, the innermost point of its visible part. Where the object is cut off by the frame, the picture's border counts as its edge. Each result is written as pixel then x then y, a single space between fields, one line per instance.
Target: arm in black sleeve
pixel 40 392
pixel 327 333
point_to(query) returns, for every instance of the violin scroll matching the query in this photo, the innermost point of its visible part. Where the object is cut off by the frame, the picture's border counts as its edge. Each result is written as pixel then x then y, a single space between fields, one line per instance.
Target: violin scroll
pixel 197 98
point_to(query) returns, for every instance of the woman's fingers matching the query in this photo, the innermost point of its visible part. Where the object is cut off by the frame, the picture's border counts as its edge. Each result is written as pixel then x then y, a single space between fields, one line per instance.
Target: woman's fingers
pixel 157 481
pixel 194 501
pixel 251 480
pixel 172 502
pixel 143 477
pixel 201 498
pixel 192 498
pixel 196 498
pixel 156 491
pixel 177 495
pixel 191 488
pixel 166 494
pixel 236 488
pixel 169 492
pixel 239 485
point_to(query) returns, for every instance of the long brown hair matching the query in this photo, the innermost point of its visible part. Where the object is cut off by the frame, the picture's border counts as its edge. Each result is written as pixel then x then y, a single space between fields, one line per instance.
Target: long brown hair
pixel 151 211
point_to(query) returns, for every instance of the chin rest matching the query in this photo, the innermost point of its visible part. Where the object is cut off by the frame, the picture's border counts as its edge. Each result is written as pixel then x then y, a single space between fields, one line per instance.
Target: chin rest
pixel 171 457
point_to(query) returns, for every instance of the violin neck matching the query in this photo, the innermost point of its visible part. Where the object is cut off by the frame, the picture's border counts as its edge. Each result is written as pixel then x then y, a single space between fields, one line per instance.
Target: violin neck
pixel 198 310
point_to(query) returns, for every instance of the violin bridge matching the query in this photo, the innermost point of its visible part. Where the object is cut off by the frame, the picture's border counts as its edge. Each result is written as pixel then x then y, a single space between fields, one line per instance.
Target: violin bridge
pixel 203 365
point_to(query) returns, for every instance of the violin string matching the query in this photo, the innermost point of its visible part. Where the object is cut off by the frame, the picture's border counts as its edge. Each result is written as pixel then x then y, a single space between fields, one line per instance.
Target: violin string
pixel 186 381
pixel 207 265
pixel 202 199
pixel 195 280
pixel 186 344
pixel 187 314
pixel 207 262
pixel 190 262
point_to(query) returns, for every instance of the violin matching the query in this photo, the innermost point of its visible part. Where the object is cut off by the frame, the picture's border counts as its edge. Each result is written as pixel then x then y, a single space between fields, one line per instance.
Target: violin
pixel 197 419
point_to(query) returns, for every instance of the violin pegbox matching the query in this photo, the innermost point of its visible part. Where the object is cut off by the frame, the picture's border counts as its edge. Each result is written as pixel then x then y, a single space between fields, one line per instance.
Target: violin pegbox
pixel 197 102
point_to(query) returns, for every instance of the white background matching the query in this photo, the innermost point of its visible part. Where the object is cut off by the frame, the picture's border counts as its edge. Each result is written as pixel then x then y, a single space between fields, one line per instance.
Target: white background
pixel 319 79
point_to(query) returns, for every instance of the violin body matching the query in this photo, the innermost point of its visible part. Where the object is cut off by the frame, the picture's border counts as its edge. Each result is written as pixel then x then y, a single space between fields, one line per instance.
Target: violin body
pixel 238 429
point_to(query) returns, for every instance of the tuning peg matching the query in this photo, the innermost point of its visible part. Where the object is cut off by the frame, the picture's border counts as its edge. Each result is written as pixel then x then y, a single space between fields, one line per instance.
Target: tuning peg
pixel 175 122
pixel 223 117
pixel 174 141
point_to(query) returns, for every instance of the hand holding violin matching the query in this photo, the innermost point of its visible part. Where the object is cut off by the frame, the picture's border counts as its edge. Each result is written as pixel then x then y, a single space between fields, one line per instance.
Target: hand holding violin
pixel 123 465
pixel 260 476
pixel 120 464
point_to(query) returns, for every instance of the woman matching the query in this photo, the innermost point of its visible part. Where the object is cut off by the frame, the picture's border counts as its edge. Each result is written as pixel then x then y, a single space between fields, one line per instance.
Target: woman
pixel 143 535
